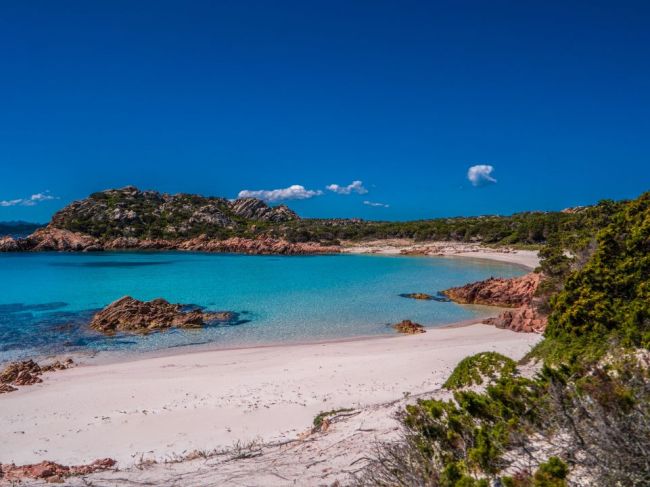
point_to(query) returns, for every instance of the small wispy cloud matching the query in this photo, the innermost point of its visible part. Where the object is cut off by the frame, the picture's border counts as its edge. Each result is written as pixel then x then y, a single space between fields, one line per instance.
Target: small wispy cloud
pixel 376 204
pixel 481 174
pixel 33 200
pixel 353 187
pixel 293 192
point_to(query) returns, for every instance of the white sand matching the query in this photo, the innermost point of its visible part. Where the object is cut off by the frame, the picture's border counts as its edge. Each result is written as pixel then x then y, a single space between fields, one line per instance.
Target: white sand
pixel 528 259
pixel 165 406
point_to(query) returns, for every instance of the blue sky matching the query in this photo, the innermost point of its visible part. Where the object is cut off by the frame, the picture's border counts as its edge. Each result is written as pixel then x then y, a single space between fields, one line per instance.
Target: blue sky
pixel 220 97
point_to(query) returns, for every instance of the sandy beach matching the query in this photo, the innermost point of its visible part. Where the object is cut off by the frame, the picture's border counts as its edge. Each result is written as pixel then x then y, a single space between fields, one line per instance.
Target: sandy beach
pixel 169 406
pixel 527 259
pixel 160 409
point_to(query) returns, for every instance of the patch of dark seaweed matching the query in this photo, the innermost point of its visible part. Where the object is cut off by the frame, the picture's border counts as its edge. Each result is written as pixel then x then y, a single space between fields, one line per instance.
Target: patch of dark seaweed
pixel 110 264
pixel 22 307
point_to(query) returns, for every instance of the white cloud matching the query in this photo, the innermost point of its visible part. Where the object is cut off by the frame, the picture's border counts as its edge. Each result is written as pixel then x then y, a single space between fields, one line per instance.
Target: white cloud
pixel 293 192
pixel 375 204
pixel 481 174
pixel 33 200
pixel 353 187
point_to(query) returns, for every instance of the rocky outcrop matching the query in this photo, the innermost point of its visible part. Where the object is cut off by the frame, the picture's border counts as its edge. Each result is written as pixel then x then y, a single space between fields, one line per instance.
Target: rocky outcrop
pixel 254 209
pixel 28 372
pixel 130 212
pixel 517 293
pixel 131 315
pixel 525 319
pixel 10 244
pixel 263 245
pixel 128 218
pixel 51 238
pixel 408 327
pixel 132 243
pixel 497 291
pixel 51 472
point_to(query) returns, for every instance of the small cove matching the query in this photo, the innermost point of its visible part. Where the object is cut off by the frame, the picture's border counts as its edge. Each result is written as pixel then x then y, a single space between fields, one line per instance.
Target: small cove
pixel 46 299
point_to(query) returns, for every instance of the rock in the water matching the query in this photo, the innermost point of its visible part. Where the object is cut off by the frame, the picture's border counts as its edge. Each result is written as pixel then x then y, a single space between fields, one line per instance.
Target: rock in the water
pixel 129 314
pixel 9 244
pixel 260 246
pixel 409 327
pixel 517 293
pixel 50 238
pixel 497 291
pixel 422 296
pixel 427 297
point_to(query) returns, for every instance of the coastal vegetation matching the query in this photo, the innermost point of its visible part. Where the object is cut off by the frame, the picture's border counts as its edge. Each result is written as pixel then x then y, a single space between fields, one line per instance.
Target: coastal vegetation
pixel 131 213
pixel 584 417
pixel 476 369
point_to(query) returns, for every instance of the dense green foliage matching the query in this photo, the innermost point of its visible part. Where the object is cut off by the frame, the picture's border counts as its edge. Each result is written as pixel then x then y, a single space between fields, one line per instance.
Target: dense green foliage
pixel 129 212
pixel 590 403
pixel 473 370
pixel 606 303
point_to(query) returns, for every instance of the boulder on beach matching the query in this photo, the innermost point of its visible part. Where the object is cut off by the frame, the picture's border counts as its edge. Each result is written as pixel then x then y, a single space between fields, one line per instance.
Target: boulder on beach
pixel 129 314
pixel 51 472
pixel 27 373
pixel 409 327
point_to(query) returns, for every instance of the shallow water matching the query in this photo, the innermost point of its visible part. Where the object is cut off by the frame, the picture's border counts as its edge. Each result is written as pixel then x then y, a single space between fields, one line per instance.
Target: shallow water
pixel 47 299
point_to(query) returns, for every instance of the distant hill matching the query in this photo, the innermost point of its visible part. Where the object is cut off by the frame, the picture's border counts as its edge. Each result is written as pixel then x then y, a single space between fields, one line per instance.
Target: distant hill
pixel 130 212
pixel 18 228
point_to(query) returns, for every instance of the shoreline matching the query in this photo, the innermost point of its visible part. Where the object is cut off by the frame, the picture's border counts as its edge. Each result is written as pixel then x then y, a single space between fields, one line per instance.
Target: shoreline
pixel 172 405
pixel 526 259
pixel 112 357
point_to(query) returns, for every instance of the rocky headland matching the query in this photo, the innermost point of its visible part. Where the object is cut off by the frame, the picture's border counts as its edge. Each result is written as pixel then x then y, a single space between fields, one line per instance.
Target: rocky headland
pixel 517 293
pixel 130 219
pixel 131 315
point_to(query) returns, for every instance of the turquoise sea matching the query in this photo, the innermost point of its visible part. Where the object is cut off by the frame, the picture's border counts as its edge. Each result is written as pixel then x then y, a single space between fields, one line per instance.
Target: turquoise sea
pixel 47 299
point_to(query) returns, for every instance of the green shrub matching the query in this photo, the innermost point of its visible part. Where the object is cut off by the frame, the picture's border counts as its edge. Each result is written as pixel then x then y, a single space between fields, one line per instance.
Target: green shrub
pixel 475 369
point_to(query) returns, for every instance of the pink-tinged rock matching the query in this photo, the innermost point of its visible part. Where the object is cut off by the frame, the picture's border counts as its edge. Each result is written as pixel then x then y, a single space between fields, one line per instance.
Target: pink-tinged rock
pixel 28 372
pixel 409 327
pixel 51 238
pixel 260 245
pixel 129 314
pixel 524 319
pixel 50 471
pixel 9 244
pixel 497 291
